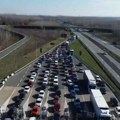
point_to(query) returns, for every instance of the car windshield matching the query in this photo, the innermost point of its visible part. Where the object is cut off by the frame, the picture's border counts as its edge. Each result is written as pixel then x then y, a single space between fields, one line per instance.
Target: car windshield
pixel 118 110
pixel 39 101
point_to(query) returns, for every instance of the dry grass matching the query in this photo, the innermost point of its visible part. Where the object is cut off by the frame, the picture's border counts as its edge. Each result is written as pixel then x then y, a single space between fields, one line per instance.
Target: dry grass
pixel 30 50
pixel 7 39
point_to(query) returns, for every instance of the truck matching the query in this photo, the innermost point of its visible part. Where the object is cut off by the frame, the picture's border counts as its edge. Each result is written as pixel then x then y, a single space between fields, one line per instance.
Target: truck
pixel 89 80
pixel 100 105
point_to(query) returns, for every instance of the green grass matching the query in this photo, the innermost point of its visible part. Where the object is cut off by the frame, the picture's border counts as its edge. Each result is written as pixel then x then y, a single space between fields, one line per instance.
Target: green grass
pixel 18 59
pixel 90 62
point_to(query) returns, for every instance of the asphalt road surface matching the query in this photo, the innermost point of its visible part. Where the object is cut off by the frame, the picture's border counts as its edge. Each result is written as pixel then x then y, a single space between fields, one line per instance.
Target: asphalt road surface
pixel 98 52
pixel 16 83
pixel 106 45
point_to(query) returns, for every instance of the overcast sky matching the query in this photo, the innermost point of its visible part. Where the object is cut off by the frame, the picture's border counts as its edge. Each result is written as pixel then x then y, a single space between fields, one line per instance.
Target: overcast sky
pixel 62 7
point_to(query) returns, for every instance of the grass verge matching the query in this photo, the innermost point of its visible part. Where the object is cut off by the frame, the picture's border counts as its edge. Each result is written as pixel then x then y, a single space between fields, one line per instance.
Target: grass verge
pixel 90 62
pixel 18 59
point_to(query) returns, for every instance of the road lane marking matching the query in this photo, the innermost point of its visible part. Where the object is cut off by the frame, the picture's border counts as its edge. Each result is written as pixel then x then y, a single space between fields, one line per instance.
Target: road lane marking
pixel 7 101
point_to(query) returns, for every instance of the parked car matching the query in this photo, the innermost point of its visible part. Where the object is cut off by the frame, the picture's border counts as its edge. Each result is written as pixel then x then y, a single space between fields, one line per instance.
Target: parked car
pixel 76 88
pixel 27 89
pixel 18 101
pixel 32 118
pixel 39 65
pixel 38 102
pixel 103 90
pixel 32 79
pixel 113 101
pixel 35 111
pixel 81 70
pixel 41 93
pixel 33 74
pixel 55 82
pixel 72 93
pixel 56 115
pixel 57 106
pixel 69 83
pixel 47 72
pixel 58 93
pixel 44 113
pixel 66 113
pixel 45 81
pixel 22 95
pixel 117 110
pixel 30 83
pixel 77 105
pixel 101 84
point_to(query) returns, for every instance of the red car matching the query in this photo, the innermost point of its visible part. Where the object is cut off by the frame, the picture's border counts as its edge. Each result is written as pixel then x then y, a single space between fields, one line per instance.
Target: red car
pixel 57 106
pixel 30 83
pixel 36 111
pixel 56 99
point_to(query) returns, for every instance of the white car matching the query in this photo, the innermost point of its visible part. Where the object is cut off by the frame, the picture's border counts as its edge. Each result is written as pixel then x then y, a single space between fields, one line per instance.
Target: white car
pixel 33 74
pixel 56 62
pixel 32 118
pixel 38 102
pixel 117 110
pixel 69 82
pixel 45 80
pixel 81 69
pixel 47 72
pixel 41 93
pixel 98 79
pixel 55 82
pixel 39 65
pixel 55 77
pixel 27 89
pixel 32 79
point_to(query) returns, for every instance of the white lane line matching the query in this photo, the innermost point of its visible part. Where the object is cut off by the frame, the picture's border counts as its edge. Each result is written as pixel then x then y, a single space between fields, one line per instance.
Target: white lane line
pixel 46 101
pixel 7 101
pixel 25 106
pixel 2 87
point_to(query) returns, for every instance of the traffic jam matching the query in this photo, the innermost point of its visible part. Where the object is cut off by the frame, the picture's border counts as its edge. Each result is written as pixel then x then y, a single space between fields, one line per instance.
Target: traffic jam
pixel 52 67
pixel 59 80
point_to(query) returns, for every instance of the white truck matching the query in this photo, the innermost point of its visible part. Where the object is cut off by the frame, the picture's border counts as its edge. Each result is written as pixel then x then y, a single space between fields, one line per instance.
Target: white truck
pixel 100 105
pixel 90 80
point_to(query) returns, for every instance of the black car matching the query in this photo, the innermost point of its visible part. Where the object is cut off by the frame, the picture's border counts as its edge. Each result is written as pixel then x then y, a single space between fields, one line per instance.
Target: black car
pixel 22 95
pixel 18 101
pixel 58 93
pixel 101 84
pixel 113 101
pixel 103 90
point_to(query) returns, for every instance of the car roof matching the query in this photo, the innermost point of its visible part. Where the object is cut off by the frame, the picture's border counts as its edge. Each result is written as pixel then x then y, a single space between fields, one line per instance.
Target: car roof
pixel 32 118
pixel 118 107
pixel 42 91
pixel 55 79
pixel 39 99
pixel 36 107
pixel 27 86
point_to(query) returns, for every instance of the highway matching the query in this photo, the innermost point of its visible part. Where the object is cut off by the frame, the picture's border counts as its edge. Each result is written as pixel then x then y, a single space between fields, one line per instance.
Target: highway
pixel 17 82
pixel 105 44
pixel 14 46
pixel 99 54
